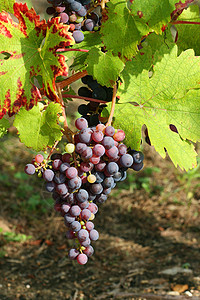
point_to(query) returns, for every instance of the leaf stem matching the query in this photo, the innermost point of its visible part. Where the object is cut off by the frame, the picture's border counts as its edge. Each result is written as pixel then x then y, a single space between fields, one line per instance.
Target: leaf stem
pixel 109 122
pixel 64 50
pixel 185 22
pixel 81 97
pixel 71 79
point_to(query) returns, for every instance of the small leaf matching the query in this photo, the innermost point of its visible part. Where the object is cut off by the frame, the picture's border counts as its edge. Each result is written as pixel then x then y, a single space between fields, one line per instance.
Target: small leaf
pixel 4 125
pixel 39 129
pixel 104 67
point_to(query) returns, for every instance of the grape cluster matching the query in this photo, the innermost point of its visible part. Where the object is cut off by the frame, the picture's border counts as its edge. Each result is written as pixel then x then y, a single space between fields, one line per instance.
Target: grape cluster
pixel 83 177
pixel 92 110
pixel 74 13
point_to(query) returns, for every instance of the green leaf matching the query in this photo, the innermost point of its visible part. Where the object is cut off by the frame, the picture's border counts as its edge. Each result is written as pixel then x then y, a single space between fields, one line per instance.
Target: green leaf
pixel 91 39
pixel 30 56
pixel 104 67
pixel 155 13
pixel 170 96
pixel 188 34
pixel 122 29
pixel 4 125
pixel 7 5
pixel 39 129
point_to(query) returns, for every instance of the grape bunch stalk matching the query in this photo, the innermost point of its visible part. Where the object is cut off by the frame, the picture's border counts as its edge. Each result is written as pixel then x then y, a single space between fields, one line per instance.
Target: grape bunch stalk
pixel 83 176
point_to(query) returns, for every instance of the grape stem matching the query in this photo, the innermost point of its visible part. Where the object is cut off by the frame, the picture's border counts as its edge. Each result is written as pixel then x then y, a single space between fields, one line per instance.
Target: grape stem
pixel 81 97
pixel 68 133
pixel 71 79
pixel 109 122
pixel 52 149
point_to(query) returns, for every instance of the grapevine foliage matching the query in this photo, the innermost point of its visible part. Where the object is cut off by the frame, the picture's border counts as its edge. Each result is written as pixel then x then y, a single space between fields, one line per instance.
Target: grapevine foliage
pixel 137 31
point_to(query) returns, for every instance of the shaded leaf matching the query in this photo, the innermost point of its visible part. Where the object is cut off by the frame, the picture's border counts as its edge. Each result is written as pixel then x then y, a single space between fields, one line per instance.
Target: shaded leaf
pixel 4 125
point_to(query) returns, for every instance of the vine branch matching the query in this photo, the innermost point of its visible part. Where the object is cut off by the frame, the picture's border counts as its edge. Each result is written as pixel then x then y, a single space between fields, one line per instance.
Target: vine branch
pixel 81 97
pixel 71 79
pixel 109 122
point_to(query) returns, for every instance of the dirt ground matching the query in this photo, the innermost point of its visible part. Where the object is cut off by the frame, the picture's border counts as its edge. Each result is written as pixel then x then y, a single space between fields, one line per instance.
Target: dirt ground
pixel 149 236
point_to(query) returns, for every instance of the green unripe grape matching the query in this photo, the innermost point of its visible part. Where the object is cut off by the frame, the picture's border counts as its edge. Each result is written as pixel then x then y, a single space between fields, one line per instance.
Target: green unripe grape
pixel 70 148
pixel 61 119
pixel 41 106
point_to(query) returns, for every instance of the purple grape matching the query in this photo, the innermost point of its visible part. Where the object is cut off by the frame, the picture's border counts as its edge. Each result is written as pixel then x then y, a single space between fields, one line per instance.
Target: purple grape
pixel 122 149
pixel 85 135
pixel 56 164
pixel 82 259
pixel 66 207
pixel 83 235
pixel 76 6
pixel 112 152
pixel 97 136
pixel 137 167
pixel 109 130
pixel 98 150
pixel 86 166
pixel 93 208
pixel 82 12
pixel 84 204
pixel 94 235
pixel 50 186
pixel 78 36
pixel 89 251
pixel 86 243
pixel 112 168
pixel 71 173
pixel 64 18
pixel 126 160
pixel 29 169
pixel 56 156
pixel 89 24
pixel 86 214
pixel 75 210
pixel 80 147
pixel 108 182
pixel 81 123
pixel 75 183
pixel 89 225
pixel 62 189
pixel 75 226
pixel 108 142
pixel 96 188
pixel 64 167
pixel 59 178
pixel 82 195
pixel 87 153
pixel 73 253
pixel 101 198
pixel 48 175
pixel 68 218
